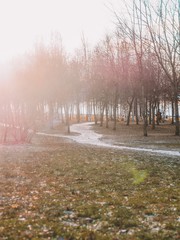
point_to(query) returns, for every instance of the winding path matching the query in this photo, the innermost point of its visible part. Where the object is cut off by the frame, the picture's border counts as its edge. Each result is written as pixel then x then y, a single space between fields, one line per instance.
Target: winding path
pixel 87 136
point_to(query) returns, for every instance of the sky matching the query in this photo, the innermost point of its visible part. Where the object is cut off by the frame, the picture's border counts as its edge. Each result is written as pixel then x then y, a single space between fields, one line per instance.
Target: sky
pixel 25 22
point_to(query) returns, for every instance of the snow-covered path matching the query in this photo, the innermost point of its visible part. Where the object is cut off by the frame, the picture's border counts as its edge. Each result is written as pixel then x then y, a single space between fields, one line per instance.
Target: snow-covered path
pixel 87 136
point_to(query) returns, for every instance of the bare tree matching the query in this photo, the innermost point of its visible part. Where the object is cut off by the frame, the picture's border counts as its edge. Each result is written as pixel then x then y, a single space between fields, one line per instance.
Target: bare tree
pixel 164 29
pixel 134 31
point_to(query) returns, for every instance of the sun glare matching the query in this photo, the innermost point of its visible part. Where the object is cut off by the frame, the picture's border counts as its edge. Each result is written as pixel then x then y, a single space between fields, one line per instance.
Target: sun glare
pixel 23 22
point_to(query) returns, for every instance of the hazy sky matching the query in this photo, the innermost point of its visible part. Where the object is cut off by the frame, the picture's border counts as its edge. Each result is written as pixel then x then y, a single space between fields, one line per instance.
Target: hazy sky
pixel 23 22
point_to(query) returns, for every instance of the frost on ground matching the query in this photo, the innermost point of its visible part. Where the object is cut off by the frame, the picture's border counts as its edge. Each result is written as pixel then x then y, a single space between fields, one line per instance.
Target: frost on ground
pixel 56 188
pixel 87 136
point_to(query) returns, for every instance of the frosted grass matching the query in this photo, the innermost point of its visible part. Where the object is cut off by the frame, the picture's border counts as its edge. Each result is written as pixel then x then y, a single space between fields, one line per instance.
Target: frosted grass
pixel 87 136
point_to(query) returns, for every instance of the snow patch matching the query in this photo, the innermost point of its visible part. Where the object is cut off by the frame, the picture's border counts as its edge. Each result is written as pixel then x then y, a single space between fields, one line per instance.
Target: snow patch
pixel 88 136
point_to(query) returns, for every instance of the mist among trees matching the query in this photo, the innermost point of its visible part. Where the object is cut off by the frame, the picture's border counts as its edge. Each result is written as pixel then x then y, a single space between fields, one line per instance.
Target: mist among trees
pixel 126 77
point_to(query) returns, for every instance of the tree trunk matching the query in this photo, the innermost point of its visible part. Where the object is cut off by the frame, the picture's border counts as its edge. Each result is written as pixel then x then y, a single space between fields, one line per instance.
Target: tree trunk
pixel 107 120
pixel 95 114
pixel 150 113
pixel 102 114
pixel 176 116
pixel 153 116
pixel 67 118
pixel 114 110
pixel 136 111
pixel 62 115
pixel 50 105
pixel 144 102
pixel 129 113
pixel 158 114
pixel 172 104
pixel 78 113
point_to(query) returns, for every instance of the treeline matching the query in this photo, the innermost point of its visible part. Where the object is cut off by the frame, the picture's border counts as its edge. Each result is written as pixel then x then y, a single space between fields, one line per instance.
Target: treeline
pixel 130 72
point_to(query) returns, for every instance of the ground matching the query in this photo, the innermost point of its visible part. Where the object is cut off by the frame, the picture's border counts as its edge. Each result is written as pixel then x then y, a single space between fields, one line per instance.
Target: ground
pixel 57 189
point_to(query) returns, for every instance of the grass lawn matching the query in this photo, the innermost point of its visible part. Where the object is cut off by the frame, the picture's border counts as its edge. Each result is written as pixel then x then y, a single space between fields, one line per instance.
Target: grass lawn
pixel 57 189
